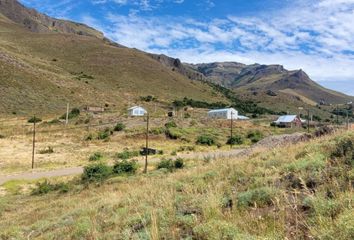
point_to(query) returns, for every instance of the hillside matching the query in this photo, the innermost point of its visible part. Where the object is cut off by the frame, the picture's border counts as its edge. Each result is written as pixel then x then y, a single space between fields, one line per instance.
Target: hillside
pixel 303 191
pixel 41 23
pixel 263 78
pixel 43 70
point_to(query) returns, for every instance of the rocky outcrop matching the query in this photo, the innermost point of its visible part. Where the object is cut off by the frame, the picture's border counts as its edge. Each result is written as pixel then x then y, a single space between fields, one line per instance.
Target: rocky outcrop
pixel 41 23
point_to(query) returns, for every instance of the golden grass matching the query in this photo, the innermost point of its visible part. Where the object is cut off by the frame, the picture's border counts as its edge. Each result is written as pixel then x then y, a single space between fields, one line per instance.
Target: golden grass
pixel 190 203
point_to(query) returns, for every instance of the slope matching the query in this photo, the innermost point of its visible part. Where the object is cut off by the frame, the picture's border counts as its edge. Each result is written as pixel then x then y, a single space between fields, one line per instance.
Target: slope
pixel 40 72
pixel 37 22
pixel 301 191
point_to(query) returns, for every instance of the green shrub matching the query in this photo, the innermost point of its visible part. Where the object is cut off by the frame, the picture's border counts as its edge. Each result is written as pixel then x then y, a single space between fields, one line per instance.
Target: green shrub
pixel 75 112
pixel 171 164
pixel 46 187
pixel 104 135
pixel 157 131
pixel 260 196
pixel 127 154
pixel 174 133
pixel 171 124
pixel 96 156
pixel 96 172
pixel 255 136
pixel 206 140
pixel 179 163
pixel 235 140
pixel 34 120
pixel 119 127
pixel 124 166
pixel 165 164
pixel 47 150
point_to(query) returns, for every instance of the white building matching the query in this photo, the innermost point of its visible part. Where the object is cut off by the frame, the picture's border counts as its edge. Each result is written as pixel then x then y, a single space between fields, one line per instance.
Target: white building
pixel 227 113
pixel 136 111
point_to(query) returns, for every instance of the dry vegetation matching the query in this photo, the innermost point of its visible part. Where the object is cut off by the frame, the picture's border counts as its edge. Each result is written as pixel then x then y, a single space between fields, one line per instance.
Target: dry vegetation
pixel 303 191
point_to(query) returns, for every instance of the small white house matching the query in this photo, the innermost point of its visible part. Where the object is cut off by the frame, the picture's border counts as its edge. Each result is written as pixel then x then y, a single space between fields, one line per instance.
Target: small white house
pixel 136 111
pixel 227 113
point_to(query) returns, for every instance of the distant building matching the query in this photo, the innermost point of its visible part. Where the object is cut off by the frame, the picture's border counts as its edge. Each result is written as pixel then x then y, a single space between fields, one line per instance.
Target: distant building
pixel 136 111
pixel 227 113
pixel 289 121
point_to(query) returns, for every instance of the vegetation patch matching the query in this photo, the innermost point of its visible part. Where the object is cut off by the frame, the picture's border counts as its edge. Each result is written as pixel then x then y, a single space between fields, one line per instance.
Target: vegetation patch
pixel 125 167
pixel 235 140
pixel 74 113
pixel 96 156
pixel 47 187
pixel 205 139
pixel 170 164
pixel 96 172
pixel 259 197
pixel 127 154
pixel 119 127
pixel 34 120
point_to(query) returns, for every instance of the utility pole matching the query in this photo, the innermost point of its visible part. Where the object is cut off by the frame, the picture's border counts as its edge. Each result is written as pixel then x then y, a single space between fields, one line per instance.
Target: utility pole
pixel 34 139
pixel 337 115
pixel 308 120
pixel 67 114
pixel 147 143
pixel 231 129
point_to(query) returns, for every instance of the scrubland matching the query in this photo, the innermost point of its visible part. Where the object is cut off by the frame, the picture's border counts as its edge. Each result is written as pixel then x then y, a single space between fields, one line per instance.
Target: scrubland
pixel 300 191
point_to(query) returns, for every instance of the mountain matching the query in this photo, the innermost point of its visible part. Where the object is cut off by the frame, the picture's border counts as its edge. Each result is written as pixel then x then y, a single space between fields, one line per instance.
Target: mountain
pixel 41 23
pixel 43 67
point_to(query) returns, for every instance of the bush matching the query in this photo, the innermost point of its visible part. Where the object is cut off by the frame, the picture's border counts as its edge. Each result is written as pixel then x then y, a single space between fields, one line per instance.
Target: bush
pixel 171 124
pixel 179 163
pixel 46 187
pixel 206 140
pixel 96 156
pixel 166 164
pixel 96 172
pixel 127 154
pixel 119 127
pixel 103 135
pixel 235 140
pixel 174 133
pixel 255 136
pixel 75 112
pixel 34 120
pixel 170 164
pixel 260 196
pixel 125 166
pixel 47 150
pixel 2 136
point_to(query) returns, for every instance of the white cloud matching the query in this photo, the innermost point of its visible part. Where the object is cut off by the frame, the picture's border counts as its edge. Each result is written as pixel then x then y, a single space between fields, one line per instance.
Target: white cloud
pixel 317 37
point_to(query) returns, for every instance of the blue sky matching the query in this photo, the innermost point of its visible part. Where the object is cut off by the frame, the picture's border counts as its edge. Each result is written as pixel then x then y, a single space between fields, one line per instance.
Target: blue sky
pixel 314 35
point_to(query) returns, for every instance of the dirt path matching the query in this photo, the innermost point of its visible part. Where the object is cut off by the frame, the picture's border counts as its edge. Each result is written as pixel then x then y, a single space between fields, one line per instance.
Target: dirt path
pixel 78 170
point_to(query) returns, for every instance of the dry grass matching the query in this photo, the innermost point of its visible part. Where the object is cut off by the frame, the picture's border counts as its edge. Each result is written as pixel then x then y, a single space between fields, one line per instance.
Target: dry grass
pixel 204 201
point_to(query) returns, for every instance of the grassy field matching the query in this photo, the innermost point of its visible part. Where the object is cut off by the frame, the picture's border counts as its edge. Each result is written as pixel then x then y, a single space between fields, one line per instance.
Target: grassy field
pixel 70 145
pixel 303 191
